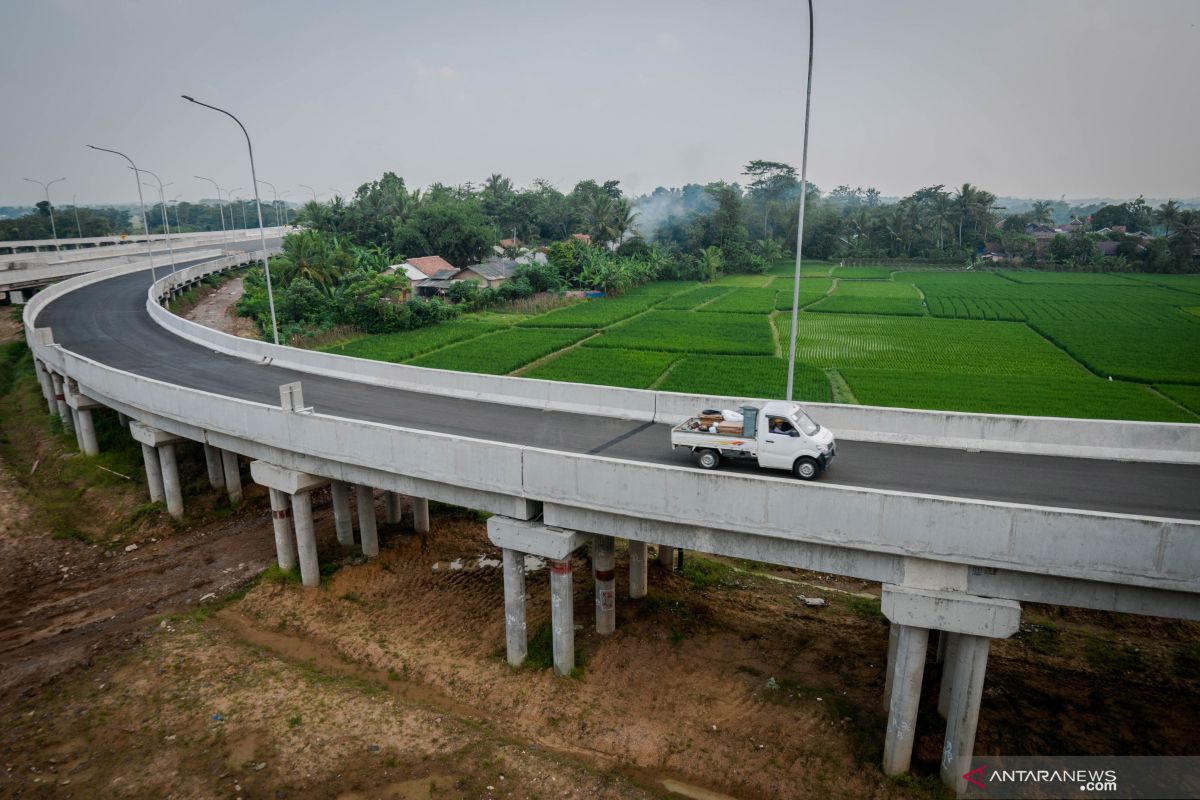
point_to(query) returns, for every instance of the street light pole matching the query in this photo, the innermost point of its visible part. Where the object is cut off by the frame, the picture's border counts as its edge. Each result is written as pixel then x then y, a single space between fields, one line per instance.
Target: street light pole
pixel 314 191
pixel 141 202
pixel 791 376
pixel 220 208
pixel 178 225
pixel 75 208
pixel 262 236
pixel 162 201
pixel 50 208
pixel 276 194
pixel 283 207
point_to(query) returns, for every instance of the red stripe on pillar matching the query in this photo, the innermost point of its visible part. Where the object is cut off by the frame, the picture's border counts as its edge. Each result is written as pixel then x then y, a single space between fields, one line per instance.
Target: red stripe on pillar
pixel 605 574
pixel 281 514
pixel 560 567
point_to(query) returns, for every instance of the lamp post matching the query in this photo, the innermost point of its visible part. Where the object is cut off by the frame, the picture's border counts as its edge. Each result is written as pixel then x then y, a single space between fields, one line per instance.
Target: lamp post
pixel 314 191
pixel 220 208
pixel 178 225
pixel 791 376
pixel 262 236
pixel 229 196
pixel 141 202
pixel 283 207
pixel 75 208
pixel 245 225
pixel 162 201
pixel 276 194
pixel 50 208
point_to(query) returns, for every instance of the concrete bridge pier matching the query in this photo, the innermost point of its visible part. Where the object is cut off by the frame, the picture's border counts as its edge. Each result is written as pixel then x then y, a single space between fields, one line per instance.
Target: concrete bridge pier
pixel 368 530
pixel 972 622
pixel 233 476
pixel 393 507
pixel 281 521
pixel 666 557
pixel 420 514
pixel 603 569
pixel 216 470
pixel 47 385
pixel 515 634
pixel 297 486
pixel 60 402
pixel 341 512
pixel 637 569
pixel 85 429
pixel 516 538
pixel 162 470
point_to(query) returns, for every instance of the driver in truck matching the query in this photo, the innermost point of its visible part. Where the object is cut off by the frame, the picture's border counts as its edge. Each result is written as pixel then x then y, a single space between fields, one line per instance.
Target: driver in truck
pixel 779 425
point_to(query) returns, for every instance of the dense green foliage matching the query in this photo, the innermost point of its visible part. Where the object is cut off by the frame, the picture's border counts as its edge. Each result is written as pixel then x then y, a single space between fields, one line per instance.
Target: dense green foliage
pixel 71 223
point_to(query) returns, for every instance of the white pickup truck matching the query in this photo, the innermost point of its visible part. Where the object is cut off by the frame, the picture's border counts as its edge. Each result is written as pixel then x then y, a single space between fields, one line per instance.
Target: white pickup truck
pixel 778 435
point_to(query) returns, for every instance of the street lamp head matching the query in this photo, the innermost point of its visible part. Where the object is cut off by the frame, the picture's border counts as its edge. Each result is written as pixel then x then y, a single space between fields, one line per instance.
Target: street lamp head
pixel 188 98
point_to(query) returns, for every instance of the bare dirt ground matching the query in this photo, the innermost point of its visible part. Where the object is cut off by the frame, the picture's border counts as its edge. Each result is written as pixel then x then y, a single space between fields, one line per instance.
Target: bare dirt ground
pixel 215 308
pixel 118 679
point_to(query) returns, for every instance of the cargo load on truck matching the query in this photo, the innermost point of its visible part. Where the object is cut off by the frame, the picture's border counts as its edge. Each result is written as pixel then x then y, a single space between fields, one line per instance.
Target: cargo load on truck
pixel 777 435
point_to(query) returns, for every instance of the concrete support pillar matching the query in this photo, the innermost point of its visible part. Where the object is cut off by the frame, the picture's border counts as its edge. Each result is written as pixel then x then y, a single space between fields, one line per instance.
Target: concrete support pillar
pixel 74 427
pixel 393 507
pixel 306 539
pixel 603 564
pixel 233 475
pixel 87 431
pixel 562 616
pixel 365 496
pixel 341 512
pixel 281 520
pixel 514 606
pixel 893 637
pixel 170 479
pixel 968 670
pixel 47 386
pixel 911 644
pixel 420 514
pixel 154 480
pixel 216 470
pixel 947 672
pixel 666 557
pixel 60 401
pixel 122 420
pixel 637 569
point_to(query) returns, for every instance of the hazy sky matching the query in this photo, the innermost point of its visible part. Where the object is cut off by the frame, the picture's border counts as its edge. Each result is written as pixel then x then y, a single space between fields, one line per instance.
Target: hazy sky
pixel 1024 97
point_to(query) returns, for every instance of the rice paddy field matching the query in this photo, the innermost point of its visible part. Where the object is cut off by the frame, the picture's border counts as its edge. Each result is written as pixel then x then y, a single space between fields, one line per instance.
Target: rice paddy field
pixel 1114 346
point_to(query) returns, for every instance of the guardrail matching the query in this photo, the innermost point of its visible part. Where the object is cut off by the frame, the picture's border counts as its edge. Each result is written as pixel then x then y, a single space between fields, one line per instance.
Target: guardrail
pixel 1058 436
pixel 73 245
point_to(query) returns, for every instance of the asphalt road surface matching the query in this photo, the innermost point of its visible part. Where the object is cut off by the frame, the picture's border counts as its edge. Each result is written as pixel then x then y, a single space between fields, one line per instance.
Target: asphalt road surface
pixel 107 322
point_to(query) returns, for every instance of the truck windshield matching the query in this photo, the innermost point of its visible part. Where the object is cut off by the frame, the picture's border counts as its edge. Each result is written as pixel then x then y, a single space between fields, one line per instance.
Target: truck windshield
pixel 805 423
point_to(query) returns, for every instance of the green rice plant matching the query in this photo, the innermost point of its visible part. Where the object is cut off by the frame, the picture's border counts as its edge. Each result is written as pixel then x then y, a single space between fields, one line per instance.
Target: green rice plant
pixel 409 344
pixel 787 267
pixel 693 297
pixel 862 273
pixel 745 376
pixel 1168 352
pixel 1181 283
pixel 920 344
pixel 633 369
pixel 663 288
pixel 812 289
pixel 1036 395
pixel 872 297
pixel 593 313
pixel 1186 396
pixel 502 352
pixel 1038 277
pixel 744 301
pixel 688 332
pixel 743 281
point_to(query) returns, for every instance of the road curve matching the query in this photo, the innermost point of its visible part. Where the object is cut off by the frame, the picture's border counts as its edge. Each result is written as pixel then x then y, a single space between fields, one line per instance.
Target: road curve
pixel 107 321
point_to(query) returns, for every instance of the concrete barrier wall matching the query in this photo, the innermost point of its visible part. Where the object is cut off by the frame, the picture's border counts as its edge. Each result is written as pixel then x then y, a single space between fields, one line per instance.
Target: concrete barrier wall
pixel 1155 553
pixel 75 247
pixel 1104 439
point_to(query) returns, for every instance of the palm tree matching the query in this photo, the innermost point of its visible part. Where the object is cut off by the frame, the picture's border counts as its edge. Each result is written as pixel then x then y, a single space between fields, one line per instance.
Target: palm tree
pixel 1042 213
pixel 940 212
pixel 964 203
pixel 1168 216
pixel 315 255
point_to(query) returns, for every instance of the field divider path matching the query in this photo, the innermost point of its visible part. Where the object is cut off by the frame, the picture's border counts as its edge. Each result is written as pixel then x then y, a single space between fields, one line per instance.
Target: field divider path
pixel 1154 389
pixel 775 333
pixel 452 344
pixel 731 290
pixel 1060 348
pixel 839 389
pixel 665 373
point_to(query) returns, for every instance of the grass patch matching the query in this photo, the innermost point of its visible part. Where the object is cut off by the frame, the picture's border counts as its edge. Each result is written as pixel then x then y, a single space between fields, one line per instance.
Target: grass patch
pixel 503 352
pixel 593 313
pixel 281 577
pixel 745 376
pixel 868 608
pixel 634 369
pixel 685 332
pixel 402 346
pixel 705 573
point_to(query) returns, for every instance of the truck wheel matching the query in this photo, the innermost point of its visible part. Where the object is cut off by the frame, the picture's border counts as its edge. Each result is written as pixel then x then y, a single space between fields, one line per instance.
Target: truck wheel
pixel 806 468
pixel 708 459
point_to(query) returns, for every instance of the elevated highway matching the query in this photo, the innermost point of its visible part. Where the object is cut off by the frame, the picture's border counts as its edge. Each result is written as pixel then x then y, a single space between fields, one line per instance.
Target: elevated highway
pixel 962 517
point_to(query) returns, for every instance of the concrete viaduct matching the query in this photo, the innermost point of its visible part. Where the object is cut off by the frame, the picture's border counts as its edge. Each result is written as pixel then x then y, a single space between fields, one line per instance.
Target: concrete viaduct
pixel 961 517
